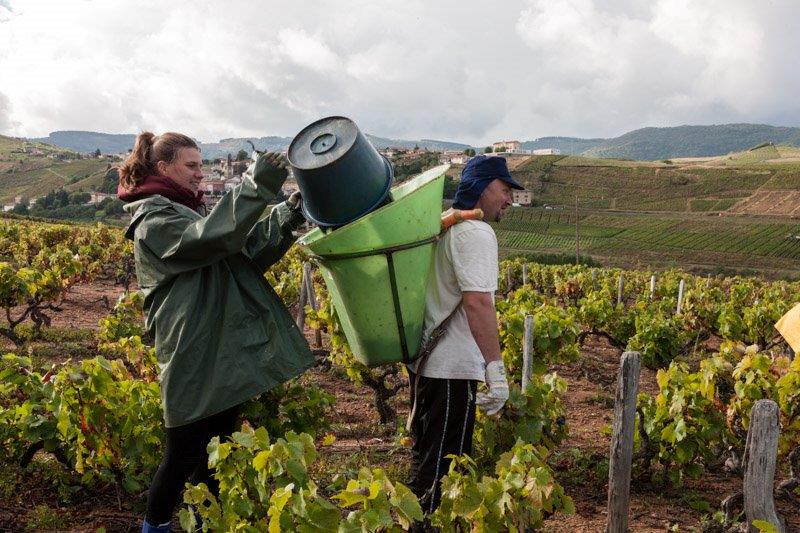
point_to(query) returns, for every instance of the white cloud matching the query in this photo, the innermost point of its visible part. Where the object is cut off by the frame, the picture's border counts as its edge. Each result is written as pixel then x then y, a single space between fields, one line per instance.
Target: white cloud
pixel 5 113
pixel 377 63
pixel 307 51
pixel 668 62
pixel 452 70
pixel 725 38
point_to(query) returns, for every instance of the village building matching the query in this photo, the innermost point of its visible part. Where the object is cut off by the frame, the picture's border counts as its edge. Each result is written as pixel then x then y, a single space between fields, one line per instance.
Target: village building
pixel 453 157
pixel 18 200
pixel 509 147
pixel 506 146
pixel 522 197
pixel 97 197
pixel 212 187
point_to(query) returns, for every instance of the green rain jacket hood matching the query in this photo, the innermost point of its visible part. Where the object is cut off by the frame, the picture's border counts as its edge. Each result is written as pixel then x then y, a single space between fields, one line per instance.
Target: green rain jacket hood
pixel 222 335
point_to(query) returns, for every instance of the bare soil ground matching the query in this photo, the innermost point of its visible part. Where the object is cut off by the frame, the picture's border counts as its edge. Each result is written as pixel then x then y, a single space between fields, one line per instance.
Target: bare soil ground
pixel 86 304
pixel 82 308
pixel 769 202
pixel 580 463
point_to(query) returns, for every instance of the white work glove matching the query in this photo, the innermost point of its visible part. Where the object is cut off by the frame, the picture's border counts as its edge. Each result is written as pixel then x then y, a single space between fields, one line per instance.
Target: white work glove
pixel 491 402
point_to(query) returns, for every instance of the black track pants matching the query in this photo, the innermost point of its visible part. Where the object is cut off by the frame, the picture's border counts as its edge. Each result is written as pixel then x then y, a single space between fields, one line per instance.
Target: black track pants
pixel 186 459
pixel 443 424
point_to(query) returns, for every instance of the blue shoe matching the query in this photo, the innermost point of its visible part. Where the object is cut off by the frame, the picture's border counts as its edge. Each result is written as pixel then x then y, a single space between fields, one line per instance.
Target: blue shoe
pixel 162 528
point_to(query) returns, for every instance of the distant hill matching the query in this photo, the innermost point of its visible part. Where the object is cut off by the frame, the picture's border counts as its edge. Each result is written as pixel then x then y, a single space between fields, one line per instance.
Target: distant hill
pixel 108 143
pixel 764 180
pixel 430 144
pixel 649 144
pixel 89 141
pixel 692 141
pixel 643 144
pixel 233 145
pixel 31 169
pixel 566 145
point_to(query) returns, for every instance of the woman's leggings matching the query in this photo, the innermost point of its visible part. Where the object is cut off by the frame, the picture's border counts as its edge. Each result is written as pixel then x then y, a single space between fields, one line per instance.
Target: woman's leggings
pixel 185 460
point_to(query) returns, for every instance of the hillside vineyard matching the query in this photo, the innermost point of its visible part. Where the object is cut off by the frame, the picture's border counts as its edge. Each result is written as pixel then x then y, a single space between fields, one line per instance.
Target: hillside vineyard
pixel 84 406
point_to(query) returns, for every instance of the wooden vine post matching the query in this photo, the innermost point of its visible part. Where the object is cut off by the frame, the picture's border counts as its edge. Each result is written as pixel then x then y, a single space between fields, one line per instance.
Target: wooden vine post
pixel 681 287
pixel 653 287
pixel 621 458
pixel 311 296
pixel 301 301
pixel 527 351
pixel 524 274
pixel 620 287
pixel 577 234
pixel 761 453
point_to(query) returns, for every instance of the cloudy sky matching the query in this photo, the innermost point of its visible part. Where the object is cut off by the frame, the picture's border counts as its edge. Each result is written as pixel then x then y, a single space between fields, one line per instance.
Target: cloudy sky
pixel 466 71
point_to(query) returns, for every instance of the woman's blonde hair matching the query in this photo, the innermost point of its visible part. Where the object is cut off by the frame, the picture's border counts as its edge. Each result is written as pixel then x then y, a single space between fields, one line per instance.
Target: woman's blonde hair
pixel 149 150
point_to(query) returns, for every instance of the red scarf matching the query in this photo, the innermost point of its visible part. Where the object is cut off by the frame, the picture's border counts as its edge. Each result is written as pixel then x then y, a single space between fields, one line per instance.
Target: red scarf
pixel 167 188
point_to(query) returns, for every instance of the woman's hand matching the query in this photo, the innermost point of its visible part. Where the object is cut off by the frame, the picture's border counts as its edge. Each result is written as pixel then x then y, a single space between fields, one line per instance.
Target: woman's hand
pixel 295 201
pixel 270 171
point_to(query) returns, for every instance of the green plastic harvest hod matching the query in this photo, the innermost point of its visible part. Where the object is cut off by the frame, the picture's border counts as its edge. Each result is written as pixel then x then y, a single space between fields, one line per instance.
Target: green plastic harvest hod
pixel 376 269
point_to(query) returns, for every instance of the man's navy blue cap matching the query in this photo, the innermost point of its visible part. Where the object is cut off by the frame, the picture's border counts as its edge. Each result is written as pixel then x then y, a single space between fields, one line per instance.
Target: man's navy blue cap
pixel 478 173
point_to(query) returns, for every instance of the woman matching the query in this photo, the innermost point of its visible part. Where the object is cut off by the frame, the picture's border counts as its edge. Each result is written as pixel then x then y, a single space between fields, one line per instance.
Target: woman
pixel 222 335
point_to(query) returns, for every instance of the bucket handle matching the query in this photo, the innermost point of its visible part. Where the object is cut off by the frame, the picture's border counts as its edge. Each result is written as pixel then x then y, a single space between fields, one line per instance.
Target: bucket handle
pixel 388 252
pixel 378 251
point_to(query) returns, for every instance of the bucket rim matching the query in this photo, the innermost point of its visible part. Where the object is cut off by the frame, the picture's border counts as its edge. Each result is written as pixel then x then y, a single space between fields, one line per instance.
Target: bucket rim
pixel 295 139
pixel 386 188
pixel 314 238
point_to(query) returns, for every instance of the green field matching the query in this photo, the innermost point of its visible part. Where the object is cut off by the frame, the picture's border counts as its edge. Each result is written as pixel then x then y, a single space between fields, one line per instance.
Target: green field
pixel 646 188
pixel 696 185
pixel 30 169
pixel 702 241
pixel 34 183
pixel 757 155
pixel 681 212
pixel 688 213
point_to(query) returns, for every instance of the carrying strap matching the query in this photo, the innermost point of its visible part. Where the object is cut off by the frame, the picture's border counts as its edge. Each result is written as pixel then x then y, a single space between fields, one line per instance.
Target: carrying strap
pixel 425 349
pixel 430 343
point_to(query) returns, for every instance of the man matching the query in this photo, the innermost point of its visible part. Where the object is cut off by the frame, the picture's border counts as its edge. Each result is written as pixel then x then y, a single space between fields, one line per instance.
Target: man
pixel 461 321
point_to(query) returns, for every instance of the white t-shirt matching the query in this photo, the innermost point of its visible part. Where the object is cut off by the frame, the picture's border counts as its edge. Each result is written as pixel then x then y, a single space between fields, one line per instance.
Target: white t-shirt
pixel 465 260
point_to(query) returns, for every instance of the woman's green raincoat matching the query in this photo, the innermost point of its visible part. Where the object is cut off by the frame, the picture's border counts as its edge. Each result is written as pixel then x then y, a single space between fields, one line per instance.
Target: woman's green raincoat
pixel 222 335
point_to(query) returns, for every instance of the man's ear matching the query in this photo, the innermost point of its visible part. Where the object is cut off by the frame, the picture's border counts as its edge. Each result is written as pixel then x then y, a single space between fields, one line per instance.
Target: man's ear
pixel 161 166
